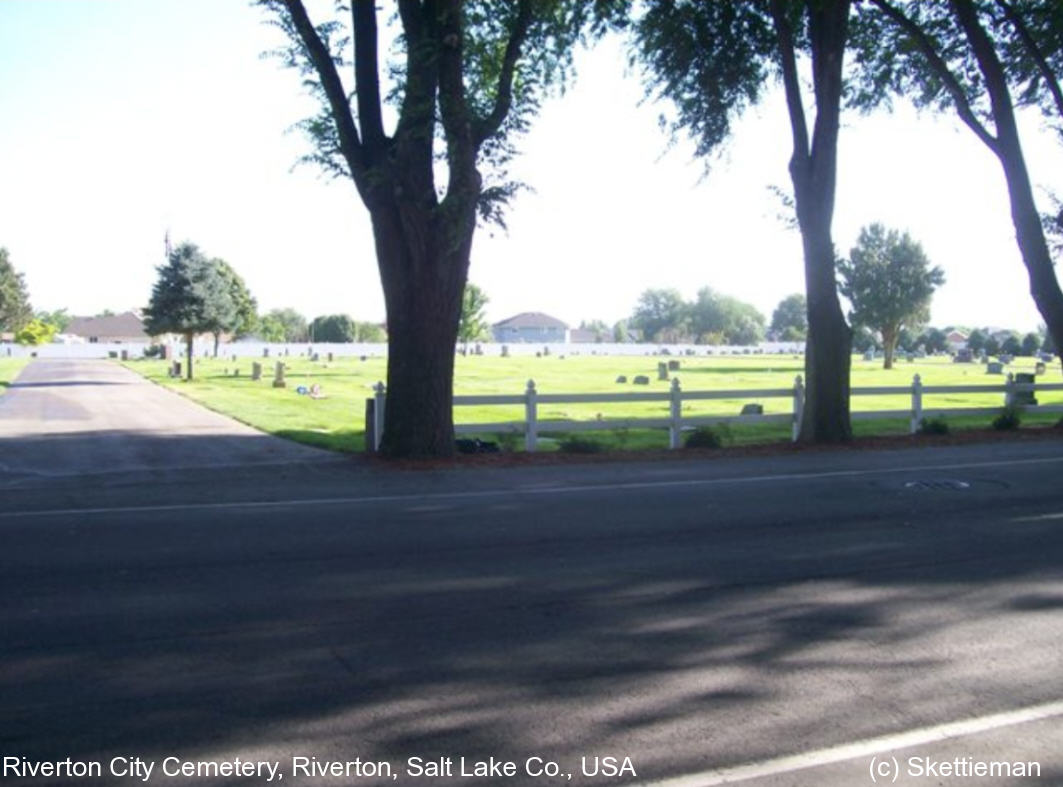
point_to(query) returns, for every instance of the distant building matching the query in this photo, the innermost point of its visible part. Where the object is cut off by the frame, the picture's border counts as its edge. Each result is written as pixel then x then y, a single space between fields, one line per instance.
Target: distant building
pixel 956 340
pixel 582 336
pixel 125 328
pixel 534 327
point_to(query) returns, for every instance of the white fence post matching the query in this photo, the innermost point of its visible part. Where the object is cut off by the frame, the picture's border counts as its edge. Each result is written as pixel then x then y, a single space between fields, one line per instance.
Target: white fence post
pixel 917 404
pixel 676 412
pixel 530 440
pixel 380 397
pixel 799 406
pixel 1009 394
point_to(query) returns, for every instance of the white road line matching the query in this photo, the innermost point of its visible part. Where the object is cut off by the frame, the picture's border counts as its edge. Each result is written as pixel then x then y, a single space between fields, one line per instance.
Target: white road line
pixel 543 490
pixel 864 748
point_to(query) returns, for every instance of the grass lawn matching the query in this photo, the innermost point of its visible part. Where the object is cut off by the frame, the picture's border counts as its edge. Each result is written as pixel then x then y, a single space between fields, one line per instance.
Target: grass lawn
pixel 337 421
pixel 9 369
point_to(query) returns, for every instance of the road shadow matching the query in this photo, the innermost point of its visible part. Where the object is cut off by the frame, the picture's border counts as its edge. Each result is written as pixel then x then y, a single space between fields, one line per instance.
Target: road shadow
pixel 438 628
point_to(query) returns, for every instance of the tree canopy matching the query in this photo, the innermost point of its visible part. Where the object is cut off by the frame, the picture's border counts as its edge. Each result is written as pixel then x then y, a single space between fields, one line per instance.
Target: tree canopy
pixel 789 321
pixel 889 282
pixel 15 309
pixel 283 325
pixel 661 315
pixel 333 328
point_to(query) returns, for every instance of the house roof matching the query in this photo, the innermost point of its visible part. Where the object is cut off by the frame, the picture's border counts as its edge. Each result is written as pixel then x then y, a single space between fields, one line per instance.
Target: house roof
pixel 531 320
pixel 126 325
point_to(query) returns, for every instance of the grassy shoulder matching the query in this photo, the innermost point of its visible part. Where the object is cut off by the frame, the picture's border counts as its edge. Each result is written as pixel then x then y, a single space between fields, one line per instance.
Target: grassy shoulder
pixel 9 369
pixel 336 421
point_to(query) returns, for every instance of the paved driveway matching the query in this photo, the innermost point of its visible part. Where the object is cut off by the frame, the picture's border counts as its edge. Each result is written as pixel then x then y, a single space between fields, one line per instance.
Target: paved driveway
pixel 76 417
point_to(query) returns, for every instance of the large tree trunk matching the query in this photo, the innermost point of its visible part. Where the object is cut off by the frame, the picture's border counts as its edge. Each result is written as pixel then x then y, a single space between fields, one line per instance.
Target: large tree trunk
pixel 828 349
pixel 1029 233
pixel 190 339
pixel 423 269
pixel 889 347
pixel 813 170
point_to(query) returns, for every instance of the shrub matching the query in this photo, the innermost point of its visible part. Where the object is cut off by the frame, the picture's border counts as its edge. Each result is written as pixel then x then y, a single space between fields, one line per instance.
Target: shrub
pixel 937 425
pixel 154 351
pixel 1010 418
pixel 580 445
pixel 508 440
pixel 708 437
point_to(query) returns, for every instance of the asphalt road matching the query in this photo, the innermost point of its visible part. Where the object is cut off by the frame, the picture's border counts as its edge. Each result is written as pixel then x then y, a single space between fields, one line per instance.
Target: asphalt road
pixel 76 417
pixel 790 618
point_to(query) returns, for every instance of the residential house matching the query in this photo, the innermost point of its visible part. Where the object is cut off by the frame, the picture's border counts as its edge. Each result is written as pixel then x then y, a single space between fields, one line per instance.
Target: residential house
pixel 531 327
pixel 956 340
pixel 125 328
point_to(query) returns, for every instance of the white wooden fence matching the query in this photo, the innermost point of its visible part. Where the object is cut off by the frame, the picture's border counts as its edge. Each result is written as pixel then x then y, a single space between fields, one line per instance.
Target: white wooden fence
pixel 676 422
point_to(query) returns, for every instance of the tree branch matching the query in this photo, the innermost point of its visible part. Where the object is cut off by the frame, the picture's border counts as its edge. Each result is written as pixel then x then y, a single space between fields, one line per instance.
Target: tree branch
pixel 1038 56
pixel 350 143
pixel 453 104
pixel 788 61
pixel 941 69
pixel 488 126
pixel 367 76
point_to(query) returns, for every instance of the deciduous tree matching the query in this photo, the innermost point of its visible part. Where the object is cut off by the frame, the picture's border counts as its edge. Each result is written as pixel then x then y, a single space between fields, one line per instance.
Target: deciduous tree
pixel 660 314
pixel 711 60
pixel 889 282
pixel 283 325
pixel 333 328
pixel 469 79
pixel 972 57
pixel 790 317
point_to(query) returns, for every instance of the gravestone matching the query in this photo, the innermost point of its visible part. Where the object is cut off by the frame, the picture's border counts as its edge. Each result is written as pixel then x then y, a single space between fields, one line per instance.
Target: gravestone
pixel 662 371
pixel 641 380
pixel 869 355
pixel 265 352
pixel 278 376
pixel 1039 368
pixel 1004 358
pixel 910 357
pixel 753 408
pixel 546 351
pixel 315 357
pixel 125 355
pixel 621 379
pixel 330 357
pixel 505 350
pixel 994 367
pixel 256 371
pixel 234 357
pixel 236 372
pixel 1024 398
pixel 175 370
pixel 673 366
pixel 361 358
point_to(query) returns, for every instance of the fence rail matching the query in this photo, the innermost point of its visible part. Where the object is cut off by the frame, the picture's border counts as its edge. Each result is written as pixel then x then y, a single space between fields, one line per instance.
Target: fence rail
pixel 675 422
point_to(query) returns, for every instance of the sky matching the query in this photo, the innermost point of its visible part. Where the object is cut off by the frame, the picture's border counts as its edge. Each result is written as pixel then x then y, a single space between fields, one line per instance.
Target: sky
pixel 122 120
